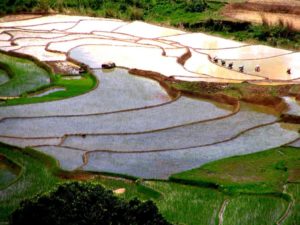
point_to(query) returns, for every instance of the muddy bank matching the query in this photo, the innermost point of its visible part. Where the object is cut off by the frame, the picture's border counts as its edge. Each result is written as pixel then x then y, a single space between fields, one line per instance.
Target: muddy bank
pixel 267 7
pixel 276 103
pixel 182 59
pixel 217 92
pixel 287 118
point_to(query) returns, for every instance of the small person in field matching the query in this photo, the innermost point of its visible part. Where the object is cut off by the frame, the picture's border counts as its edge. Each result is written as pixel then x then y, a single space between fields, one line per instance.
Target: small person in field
pixel 257 68
pixel 241 68
pixel 289 71
pixel 215 59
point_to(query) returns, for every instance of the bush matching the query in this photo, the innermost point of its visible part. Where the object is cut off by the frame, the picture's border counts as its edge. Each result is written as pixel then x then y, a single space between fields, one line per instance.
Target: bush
pixel 85 204
pixel 196 6
pixel 136 13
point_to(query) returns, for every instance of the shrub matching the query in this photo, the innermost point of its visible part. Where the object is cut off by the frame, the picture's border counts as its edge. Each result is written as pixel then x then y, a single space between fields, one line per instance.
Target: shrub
pixel 196 6
pixel 85 204
pixel 136 13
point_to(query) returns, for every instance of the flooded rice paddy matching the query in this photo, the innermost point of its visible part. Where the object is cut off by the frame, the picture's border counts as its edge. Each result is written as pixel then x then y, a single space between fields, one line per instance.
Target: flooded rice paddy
pixel 129 124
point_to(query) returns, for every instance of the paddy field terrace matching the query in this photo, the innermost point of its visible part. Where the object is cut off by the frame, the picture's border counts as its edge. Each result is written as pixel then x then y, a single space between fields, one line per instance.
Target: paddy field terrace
pixel 161 125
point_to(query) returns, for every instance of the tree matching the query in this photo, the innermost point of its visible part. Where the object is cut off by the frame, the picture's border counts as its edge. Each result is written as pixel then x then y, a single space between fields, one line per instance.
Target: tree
pixel 85 204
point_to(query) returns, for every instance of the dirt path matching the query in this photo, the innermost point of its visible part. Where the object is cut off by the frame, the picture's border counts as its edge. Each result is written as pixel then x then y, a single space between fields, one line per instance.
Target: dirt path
pixel 272 12
pixel 222 210
pixel 10 18
pixel 287 212
pixel 260 17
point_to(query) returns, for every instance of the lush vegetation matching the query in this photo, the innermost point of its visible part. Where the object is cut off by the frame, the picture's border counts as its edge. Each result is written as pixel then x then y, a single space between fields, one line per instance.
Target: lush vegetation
pixel 239 208
pixel 36 177
pixel 263 172
pixel 186 204
pixel 294 217
pixel 27 78
pixel 84 203
pixel 71 88
pixel 178 203
pixel 125 9
pixel 24 75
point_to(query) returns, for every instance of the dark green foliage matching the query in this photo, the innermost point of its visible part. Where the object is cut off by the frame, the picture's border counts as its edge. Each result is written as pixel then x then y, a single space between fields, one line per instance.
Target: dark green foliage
pixel 219 25
pixel 196 6
pixel 82 203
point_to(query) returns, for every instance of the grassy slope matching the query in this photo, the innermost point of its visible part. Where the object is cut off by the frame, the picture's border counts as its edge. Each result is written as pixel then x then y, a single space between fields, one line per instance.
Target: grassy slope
pixel 172 199
pixel 25 76
pixel 174 14
pixel 72 88
pixel 187 204
pixel 263 172
pixel 294 216
pixel 34 178
pixel 254 210
pixel 183 204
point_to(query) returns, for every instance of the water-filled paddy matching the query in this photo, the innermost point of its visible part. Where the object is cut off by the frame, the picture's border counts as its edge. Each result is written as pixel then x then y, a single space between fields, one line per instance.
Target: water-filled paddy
pixel 8 171
pixel 179 112
pixel 117 91
pixel 163 164
pixel 3 77
pixel 129 124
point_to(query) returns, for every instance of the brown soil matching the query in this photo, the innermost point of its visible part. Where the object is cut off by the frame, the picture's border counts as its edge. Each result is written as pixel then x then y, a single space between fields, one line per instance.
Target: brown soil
pixel 258 95
pixel 64 67
pixel 10 18
pixel 276 103
pixel 77 175
pixel 287 118
pixel 294 175
pixel 182 59
pixel 268 12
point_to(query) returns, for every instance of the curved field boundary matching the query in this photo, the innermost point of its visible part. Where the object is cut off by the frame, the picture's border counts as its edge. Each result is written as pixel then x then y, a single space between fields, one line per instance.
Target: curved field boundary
pixel 206 76
pixel 162 54
pixel 162 48
pixel 225 67
pixel 235 111
pixel 93 114
pixel 86 154
pixel 22 171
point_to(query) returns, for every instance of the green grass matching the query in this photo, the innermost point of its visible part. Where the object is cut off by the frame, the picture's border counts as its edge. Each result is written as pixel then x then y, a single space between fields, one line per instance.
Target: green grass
pixel 179 203
pixel 24 74
pixel 26 78
pixel 264 172
pixel 40 174
pixel 36 177
pixel 175 14
pixel 254 210
pixel 72 88
pixel 185 204
pixel 237 90
pixel 294 215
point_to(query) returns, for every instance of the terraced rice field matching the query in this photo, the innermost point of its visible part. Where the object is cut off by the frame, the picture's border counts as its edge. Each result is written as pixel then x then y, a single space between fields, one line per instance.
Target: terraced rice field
pixel 131 122
pixel 134 125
